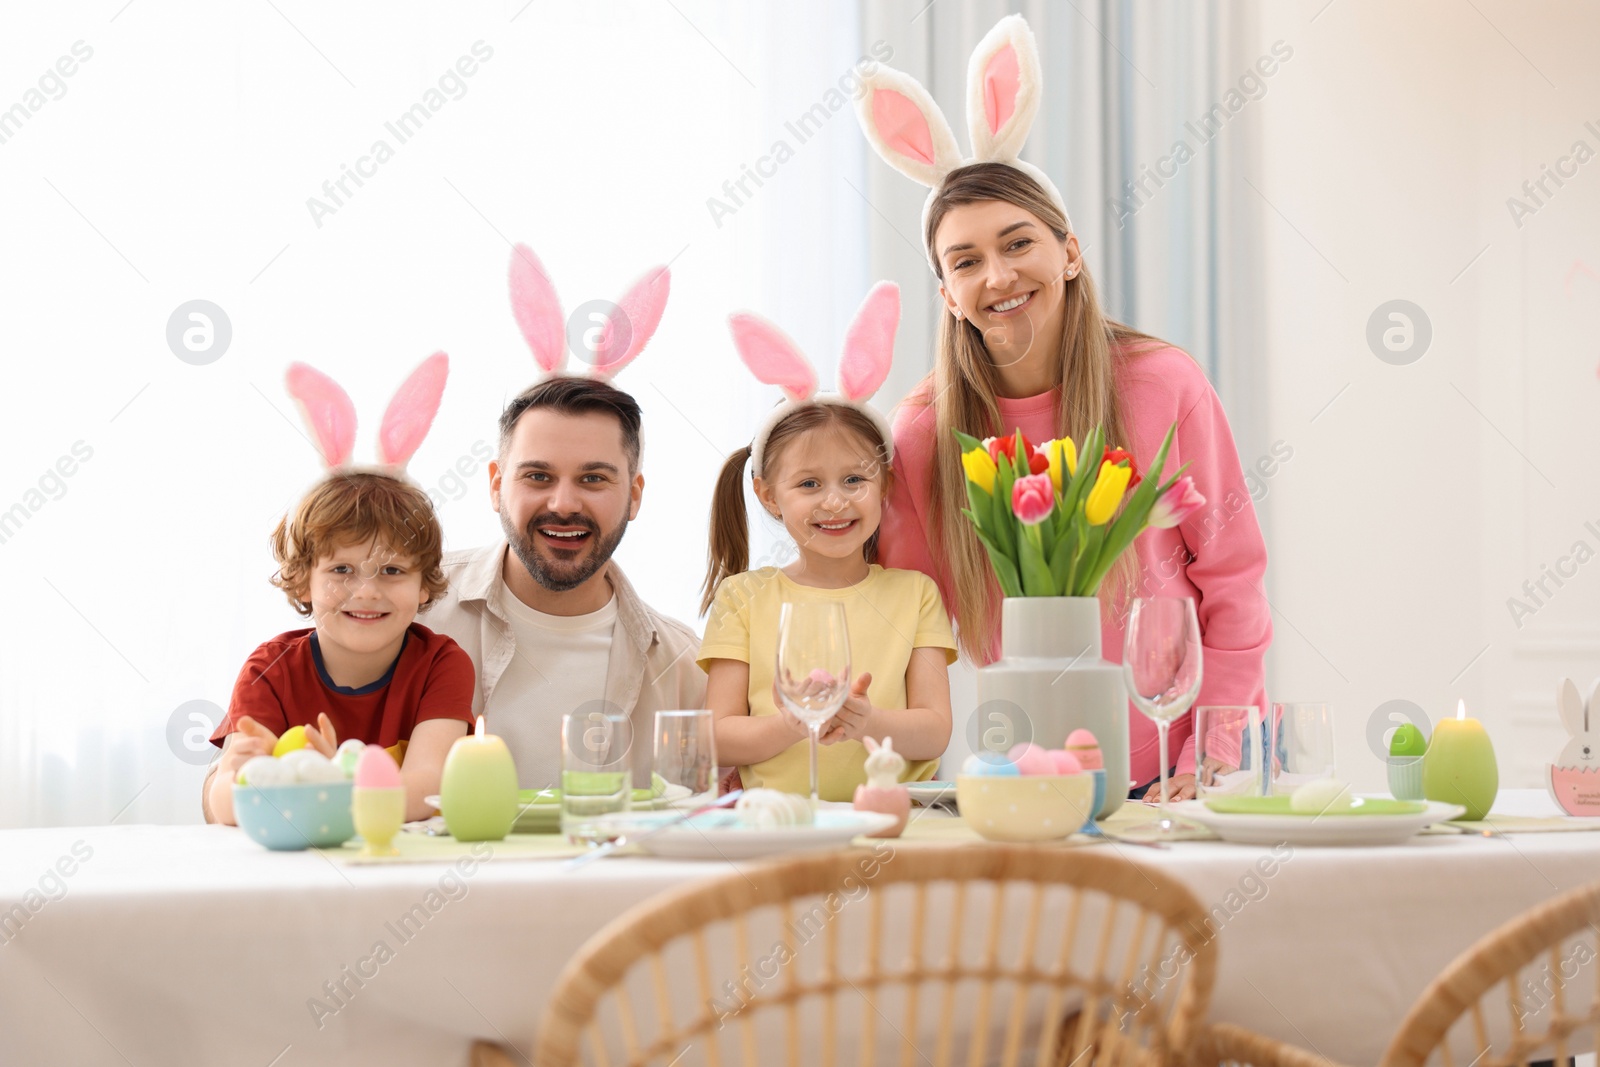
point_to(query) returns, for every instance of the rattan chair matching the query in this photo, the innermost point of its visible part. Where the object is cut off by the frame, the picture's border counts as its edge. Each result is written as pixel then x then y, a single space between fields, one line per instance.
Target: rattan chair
pixel 1526 993
pixel 1004 955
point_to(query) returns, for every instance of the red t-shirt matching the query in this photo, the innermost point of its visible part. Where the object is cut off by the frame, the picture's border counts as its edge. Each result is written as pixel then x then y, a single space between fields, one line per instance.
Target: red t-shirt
pixel 283 684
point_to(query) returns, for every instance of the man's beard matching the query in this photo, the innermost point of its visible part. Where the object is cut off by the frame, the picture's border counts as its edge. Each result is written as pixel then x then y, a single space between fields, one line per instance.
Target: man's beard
pixel 555 575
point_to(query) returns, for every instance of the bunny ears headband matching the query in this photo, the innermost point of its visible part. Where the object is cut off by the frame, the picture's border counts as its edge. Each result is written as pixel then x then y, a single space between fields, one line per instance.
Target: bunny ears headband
pixel 629 324
pixel 909 131
pixel 331 417
pixel 776 360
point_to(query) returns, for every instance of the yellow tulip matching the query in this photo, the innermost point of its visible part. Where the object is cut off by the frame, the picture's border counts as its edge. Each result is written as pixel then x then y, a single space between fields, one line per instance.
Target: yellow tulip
pixel 1109 486
pixel 980 469
pixel 1060 452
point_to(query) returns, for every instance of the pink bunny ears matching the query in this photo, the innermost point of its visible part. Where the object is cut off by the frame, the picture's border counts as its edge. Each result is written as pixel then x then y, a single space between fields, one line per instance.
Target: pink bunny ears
pixel 868 352
pixel 331 417
pixel 909 131
pixel 629 324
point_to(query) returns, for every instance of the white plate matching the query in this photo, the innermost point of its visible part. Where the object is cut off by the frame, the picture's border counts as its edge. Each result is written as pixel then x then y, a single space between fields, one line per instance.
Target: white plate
pixel 1316 829
pixel 718 835
pixel 931 792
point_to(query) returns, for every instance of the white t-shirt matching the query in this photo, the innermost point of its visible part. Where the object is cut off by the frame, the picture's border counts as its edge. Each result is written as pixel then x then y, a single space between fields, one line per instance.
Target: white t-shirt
pixel 560 664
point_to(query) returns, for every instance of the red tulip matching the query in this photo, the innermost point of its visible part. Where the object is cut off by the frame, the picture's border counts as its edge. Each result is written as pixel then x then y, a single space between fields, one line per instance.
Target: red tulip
pixel 1117 455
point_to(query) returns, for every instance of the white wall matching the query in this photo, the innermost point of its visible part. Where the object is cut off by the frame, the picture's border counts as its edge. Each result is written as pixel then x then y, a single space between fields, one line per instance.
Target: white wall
pixel 1419 500
pixel 177 164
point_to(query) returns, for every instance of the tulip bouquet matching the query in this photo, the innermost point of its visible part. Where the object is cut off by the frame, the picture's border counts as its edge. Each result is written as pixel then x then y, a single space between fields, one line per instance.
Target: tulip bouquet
pixel 1053 525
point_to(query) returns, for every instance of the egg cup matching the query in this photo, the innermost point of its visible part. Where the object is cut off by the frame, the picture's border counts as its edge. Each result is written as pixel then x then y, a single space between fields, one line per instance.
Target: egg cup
pixel 378 814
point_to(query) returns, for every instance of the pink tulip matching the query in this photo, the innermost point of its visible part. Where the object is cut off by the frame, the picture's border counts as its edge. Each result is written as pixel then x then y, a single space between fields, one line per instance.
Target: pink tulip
pixel 1033 497
pixel 1176 504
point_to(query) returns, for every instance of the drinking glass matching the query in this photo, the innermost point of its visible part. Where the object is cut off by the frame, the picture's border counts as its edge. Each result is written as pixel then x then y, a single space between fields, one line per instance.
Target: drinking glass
pixel 813 667
pixel 1302 745
pixel 596 775
pixel 1161 665
pixel 686 757
pixel 1234 737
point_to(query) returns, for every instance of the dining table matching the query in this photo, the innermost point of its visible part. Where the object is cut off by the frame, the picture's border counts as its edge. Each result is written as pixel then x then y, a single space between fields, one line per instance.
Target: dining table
pixel 162 944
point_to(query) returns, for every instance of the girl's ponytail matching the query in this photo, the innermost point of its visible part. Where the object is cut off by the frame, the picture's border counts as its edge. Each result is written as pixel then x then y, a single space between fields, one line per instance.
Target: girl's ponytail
pixel 728 550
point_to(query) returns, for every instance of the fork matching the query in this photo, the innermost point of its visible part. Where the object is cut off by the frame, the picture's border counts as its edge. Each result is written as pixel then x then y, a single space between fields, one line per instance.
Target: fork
pixel 666 824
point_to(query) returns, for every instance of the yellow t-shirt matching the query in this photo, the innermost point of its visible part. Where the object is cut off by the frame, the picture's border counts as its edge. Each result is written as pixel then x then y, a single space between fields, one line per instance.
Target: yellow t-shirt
pixel 888 614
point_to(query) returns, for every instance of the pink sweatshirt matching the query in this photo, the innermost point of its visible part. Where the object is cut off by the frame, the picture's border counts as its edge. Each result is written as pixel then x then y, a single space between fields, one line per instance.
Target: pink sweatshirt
pixel 1217 556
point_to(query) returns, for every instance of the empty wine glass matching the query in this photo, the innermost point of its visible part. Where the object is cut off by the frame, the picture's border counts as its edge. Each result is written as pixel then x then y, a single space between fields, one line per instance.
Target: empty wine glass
pixel 1161 664
pixel 813 667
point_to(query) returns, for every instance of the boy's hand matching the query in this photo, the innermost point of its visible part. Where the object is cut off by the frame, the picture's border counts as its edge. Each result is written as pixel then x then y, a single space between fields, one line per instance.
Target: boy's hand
pixel 251 739
pixel 851 720
pixel 321 736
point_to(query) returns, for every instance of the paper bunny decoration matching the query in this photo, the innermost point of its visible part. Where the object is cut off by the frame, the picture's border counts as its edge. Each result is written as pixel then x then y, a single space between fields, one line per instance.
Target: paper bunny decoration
pixel 628 328
pixel 909 130
pixel 863 365
pixel 1574 779
pixel 331 417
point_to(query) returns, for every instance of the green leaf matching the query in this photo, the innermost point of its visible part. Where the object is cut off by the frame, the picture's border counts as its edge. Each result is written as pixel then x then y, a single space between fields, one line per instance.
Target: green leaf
pixel 1036 580
pixel 967 441
pixel 1060 557
pixel 1004 570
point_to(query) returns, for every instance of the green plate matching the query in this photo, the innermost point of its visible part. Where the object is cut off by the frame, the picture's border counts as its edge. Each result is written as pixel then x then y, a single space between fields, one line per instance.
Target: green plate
pixel 1280 806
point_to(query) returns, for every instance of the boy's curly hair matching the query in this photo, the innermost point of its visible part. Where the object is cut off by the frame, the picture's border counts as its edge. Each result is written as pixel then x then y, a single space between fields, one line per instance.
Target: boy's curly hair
pixel 358 508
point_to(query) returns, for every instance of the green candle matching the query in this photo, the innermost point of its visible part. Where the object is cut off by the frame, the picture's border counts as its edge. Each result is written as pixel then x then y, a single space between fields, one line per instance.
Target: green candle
pixel 478 790
pixel 1459 766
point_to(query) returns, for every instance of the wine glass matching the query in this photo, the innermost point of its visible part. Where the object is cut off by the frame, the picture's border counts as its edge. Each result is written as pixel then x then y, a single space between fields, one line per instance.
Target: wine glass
pixel 1161 664
pixel 813 667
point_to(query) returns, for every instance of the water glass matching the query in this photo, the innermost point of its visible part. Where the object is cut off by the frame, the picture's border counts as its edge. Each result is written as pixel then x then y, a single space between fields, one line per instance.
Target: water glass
pixel 596 776
pixel 686 757
pixel 1233 740
pixel 1302 745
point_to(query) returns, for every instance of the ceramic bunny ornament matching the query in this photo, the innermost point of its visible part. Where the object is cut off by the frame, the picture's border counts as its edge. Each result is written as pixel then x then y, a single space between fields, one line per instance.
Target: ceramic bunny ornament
pixel 1574 779
pixel 883 791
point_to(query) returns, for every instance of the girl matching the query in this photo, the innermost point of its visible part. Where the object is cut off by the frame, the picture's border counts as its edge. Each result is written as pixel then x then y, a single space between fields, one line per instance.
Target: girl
pixel 1023 345
pixel 819 466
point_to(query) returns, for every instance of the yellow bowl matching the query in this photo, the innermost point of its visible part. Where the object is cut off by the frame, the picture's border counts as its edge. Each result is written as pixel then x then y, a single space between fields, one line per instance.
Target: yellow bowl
pixel 1039 807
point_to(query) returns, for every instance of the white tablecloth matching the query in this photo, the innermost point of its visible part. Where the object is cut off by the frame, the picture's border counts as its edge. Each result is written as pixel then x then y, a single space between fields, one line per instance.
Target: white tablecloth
pixel 177 945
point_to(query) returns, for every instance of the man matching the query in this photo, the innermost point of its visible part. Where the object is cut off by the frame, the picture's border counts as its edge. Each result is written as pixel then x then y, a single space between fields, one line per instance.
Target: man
pixel 550 622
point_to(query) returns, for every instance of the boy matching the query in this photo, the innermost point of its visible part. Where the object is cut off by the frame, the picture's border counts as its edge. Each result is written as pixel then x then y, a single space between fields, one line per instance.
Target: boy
pixel 360 557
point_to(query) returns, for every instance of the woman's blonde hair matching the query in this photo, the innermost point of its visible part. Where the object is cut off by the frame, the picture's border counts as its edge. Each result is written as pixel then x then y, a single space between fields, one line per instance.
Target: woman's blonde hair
pixel 964 385
pixel 728 548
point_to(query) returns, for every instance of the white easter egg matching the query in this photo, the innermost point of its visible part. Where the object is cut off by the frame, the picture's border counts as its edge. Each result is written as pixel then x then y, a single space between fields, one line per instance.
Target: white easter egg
pixel 307 765
pixel 1325 796
pixel 264 771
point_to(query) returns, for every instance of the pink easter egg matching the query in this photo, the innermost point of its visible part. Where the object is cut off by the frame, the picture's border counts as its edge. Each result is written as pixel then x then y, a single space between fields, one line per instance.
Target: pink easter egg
pixel 1065 762
pixel 1031 759
pixel 376 769
pixel 1082 744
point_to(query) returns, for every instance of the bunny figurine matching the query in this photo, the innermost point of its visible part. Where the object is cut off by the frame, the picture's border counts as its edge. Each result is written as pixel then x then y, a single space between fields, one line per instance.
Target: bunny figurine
pixel 883 791
pixel 1574 779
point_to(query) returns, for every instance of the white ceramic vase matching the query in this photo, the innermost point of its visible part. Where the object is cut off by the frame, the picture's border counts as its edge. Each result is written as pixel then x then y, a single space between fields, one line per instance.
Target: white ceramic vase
pixel 1050 671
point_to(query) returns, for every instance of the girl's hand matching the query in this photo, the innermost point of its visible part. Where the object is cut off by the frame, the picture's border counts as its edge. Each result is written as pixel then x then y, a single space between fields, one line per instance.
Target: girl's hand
pixel 792 722
pixel 850 722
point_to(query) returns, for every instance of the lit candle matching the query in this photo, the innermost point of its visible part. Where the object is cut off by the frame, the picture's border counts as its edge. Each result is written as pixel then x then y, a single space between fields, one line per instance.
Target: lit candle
pixel 1459 766
pixel 478 790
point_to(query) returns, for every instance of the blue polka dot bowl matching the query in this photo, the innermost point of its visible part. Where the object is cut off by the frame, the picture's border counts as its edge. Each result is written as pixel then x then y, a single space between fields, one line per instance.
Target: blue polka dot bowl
pixel 288 818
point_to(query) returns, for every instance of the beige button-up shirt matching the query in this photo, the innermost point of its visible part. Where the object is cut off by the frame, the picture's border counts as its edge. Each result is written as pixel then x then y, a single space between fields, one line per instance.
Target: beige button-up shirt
pixel 652 665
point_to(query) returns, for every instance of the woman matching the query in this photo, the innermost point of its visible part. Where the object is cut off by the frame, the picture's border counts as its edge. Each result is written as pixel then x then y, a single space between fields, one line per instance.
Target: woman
pixel 1023 345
